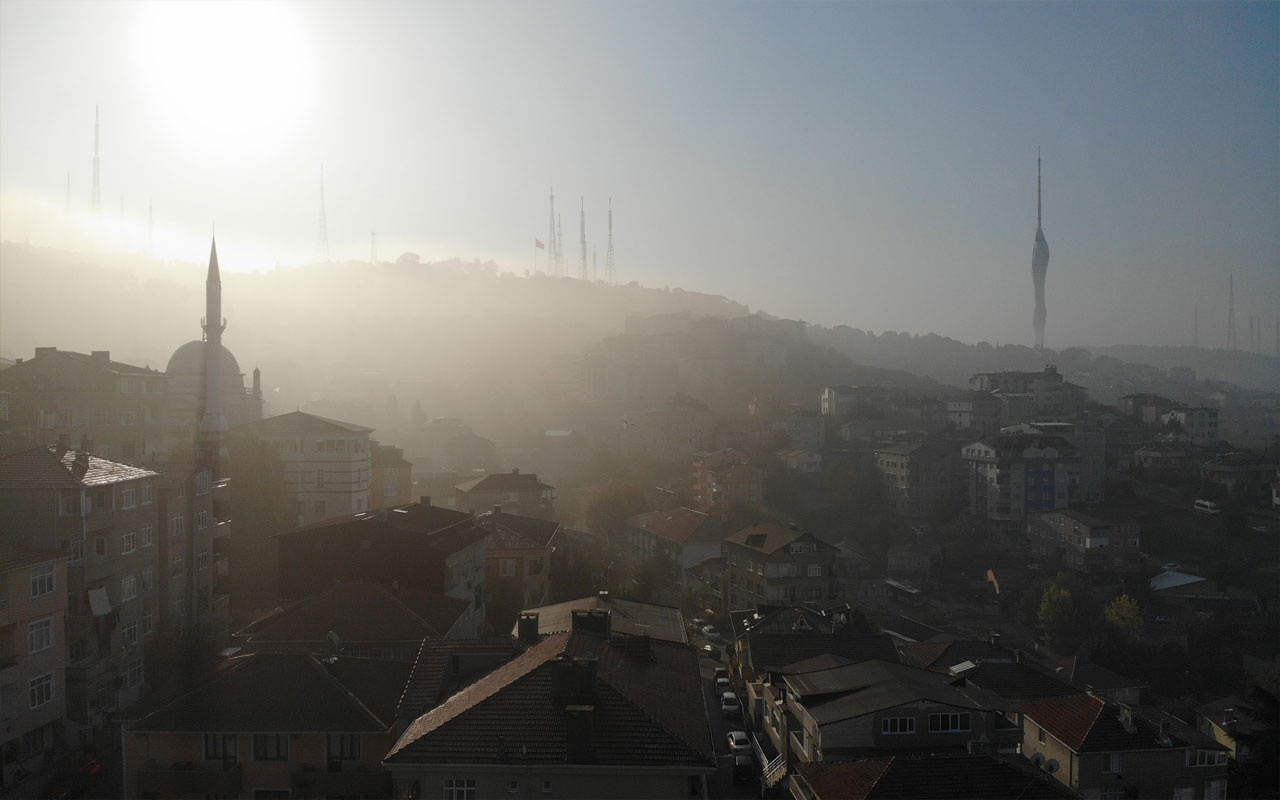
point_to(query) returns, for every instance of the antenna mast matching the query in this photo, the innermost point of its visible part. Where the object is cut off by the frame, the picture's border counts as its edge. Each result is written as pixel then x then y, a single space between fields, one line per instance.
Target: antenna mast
pixel 582 235
pixel 610 268
pixel 322 234
pixel 551 234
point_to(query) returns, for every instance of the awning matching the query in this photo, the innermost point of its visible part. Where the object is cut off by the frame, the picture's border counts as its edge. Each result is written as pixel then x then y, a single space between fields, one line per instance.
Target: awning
pixel 99 602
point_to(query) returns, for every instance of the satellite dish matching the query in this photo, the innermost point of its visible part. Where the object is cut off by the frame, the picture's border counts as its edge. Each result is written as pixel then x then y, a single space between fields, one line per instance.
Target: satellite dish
pixel 1038 759
pixel 1051 766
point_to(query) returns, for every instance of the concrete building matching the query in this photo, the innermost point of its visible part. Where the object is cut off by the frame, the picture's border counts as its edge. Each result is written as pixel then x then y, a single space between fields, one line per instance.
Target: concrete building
pixel 1049 396
pixel 774 565
pixel 803 462
pixel 326 463
pixel 681 537
pixel 838 401
pixel 391 479
pixel 104 517
pixel 918 476
pixel 33 662
pixel 1085 543
pixel 1011 476
pixel 517 568
pixel 517 493
pixel 724 479
pixel 115 410
pixel 1245 474
pixel 1197 423
pixel 802 430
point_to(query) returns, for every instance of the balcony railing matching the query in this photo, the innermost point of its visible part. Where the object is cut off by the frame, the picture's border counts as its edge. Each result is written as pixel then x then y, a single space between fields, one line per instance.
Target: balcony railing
pixel 184 779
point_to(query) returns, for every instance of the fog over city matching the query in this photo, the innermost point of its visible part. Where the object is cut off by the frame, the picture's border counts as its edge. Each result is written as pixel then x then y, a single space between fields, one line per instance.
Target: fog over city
pixel 823 400
pixel 851 163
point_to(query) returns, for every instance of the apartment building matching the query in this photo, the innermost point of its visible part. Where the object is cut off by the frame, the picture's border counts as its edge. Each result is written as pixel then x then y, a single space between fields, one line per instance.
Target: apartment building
pixel 917 476
pixel 1085 543
pixel 770 564
pixel 516 492
pixel 1013 475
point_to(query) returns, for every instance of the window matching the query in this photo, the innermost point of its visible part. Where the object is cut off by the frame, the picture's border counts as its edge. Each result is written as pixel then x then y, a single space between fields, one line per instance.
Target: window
pixel 128 498
pixel 949 723
pixel 319 479
pixel 507 567
pixel 1206 758
pixel 148 623
pixel 202 482
pixel 39 635
pixel 1215 790
pixel 77 550
pixel 128 417
pixel 220 746
pixel 129 633
pixel 459 789
pixel 133 673
pixel 177 526
pixel 318 507
pixel 128 588
pixel 179 566
pixel 813 593
pixel 202 559
pixel 41 689
pixel 795 548
pixel 1110 762
pixel 148 578
pixel 129 542
pixel 180 607
pixel 891 725
pixel 146 494
pixel 202 519
pixel 1040 734
pixel 513 787
pixel 148 537
pixel 1184 793
pixel 345 746
pixel 42 580
pixel 815 570
pixel 271 747
pixel 100 545
pixel 546 787
pixel 71 505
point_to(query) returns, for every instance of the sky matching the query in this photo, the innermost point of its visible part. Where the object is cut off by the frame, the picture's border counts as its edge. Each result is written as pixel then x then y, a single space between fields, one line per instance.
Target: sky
pixel 858 163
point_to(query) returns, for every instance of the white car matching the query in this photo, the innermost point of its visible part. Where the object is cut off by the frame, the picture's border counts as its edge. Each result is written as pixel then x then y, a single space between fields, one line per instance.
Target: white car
pixel 722 684
pixel 738 742
pixel 729 705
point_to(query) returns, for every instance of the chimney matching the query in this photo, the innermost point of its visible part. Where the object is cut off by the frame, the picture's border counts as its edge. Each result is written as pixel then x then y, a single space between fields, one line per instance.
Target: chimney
pixel 573 686
pixel 101 355
pixel 81 465
pixel 44 351
pixel 1163 739
pixel 596 622
pixel 497 508
pixel 527 628
pixel 995 638
pixel 1226 715
pixel 424 500
pixel 579 721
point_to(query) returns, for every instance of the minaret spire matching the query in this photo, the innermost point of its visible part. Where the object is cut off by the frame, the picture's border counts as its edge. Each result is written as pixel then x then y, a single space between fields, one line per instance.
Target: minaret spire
pixel 212 421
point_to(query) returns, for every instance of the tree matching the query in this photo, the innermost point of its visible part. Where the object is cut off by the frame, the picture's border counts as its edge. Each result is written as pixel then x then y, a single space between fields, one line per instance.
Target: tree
pixel 611 506
pixel 1122 617
pixel 1056 619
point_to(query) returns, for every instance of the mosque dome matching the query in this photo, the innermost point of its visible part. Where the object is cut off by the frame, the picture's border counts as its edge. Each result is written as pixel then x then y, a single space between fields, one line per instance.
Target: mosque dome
pixel 189 360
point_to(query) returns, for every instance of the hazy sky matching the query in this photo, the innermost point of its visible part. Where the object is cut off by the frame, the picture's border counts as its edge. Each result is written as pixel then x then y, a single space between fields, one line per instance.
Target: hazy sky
pixel 871 164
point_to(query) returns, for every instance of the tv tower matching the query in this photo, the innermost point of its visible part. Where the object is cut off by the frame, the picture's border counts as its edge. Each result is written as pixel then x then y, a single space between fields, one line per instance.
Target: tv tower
pixel 1039 264
pixel 610 268
pixel 1231 311
pixel 582 235
pixel 322 235
pixel 551 235
pixel 95 201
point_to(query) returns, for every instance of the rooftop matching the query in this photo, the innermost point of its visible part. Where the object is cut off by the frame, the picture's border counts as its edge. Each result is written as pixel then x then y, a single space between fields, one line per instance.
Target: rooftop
pixel 934 778
pixel 854 690
pixel 300 423
pixel 49 468
pixel 632 617
pixel 768 538
pixel 1087 723
pixel 515 481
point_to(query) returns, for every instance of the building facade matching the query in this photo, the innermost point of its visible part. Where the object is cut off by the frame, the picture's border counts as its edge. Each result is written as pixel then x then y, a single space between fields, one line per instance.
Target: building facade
pixel 1013 475
pixel 774 565
pixel 1085 543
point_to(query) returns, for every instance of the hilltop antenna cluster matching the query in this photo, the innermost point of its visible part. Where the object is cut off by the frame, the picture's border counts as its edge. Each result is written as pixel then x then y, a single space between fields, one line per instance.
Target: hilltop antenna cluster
pixel 322 234
pixel 587 269
pixel 582 235
pixel 553 247
pixel 1231 311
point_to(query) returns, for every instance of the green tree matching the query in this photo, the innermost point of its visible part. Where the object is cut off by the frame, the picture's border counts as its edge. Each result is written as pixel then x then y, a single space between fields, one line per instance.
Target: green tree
pixel 1056 619
pixel 1123 618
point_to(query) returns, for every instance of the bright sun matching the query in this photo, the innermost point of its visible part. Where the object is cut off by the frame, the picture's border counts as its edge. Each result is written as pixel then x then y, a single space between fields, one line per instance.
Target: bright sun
pixel 225 78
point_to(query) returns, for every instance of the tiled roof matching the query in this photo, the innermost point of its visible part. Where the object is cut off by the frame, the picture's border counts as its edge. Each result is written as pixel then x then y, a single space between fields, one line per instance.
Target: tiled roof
pixel 442 529
pixel 1086 723
pixel 944 652
pixel 83 359
pixel 1016 681
pixel 675 526
pixel 514 531
pixel 631 617
pixel 646 712
pixel 16 556
pixel 900 627
pixel 816 663
pixel 46 468
pixel 504 482
pixel 870 686
pixel 433 674
pixel 285 693
pixel 943 777
pixel 773 652
pixel 769 538
pixel 1082 673
pixel 300 423
pixel 357 612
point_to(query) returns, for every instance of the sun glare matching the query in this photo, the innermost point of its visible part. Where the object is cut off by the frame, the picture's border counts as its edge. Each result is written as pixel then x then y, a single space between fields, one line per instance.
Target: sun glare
pixel 224 78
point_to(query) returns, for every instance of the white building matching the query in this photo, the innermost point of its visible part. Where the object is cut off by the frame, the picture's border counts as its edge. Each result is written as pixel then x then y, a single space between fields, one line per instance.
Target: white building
pixel 326 462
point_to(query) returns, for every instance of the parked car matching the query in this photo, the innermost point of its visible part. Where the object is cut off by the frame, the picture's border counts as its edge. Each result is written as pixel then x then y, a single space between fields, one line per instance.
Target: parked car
pixel 710 632
pixel 744 767
pixel 711 651
pixel 729 705
pixel 738 742
pixel 722 683
pixel 722 672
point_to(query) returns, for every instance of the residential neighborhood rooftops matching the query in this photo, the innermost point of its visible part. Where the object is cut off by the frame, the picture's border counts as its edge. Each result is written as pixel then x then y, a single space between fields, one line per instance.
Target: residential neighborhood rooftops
pixel 934 778
pixel 768 538
pixel 1083 673
pixel 946 650
pixel 677 525
pixel 514 481
pixel 514 531
pixel 1087 723
pixel 1015 681
pixel 865 688
pixel 51 468
pixel 632 617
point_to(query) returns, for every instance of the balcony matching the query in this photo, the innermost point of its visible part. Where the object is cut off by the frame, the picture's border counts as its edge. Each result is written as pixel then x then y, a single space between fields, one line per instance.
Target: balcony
pixel 221 529
pixel 184 779
pixel 367 782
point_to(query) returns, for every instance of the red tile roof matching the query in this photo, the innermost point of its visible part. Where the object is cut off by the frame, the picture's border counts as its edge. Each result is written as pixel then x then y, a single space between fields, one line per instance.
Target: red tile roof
pixel 1086 723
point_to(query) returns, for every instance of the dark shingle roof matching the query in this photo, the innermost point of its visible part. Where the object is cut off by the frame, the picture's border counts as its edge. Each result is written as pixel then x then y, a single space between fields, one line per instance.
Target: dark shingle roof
pixel 286 693
pixel 46 468
pixel 433 674
pixel 773 652
pixel 514 531
pixel 864 688
pixel 1081 673
pixel 15 556
pixel 944 651
pixel 676 525
pixel 1086 723
pixel 647 711
pixel 358 612
pixel 504 482
pixel 765 537
pixel 633 617
pixel 934 778
pixel 1016 681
